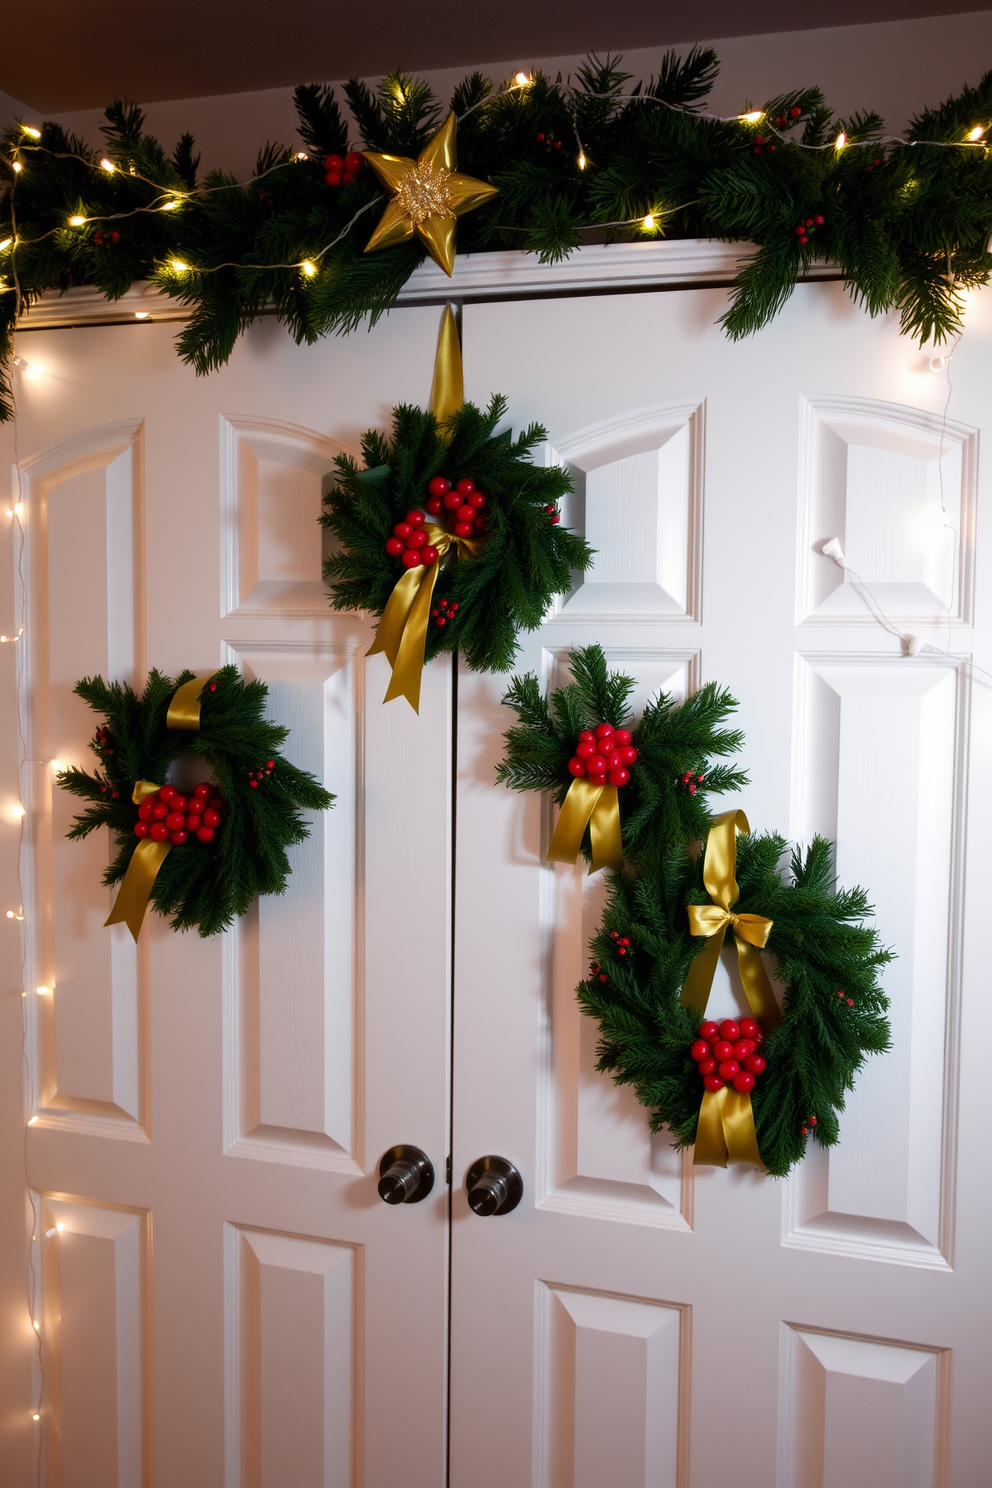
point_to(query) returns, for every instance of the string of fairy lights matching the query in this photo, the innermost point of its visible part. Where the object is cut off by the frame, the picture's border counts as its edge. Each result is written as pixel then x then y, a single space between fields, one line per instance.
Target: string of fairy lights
pixel 170 200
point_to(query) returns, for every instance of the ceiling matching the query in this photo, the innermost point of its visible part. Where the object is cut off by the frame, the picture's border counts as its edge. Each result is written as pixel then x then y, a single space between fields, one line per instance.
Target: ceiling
pixel 72 55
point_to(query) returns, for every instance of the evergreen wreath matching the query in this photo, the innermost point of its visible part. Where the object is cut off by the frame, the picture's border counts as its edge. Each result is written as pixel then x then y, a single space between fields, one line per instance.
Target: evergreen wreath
pixel 828 960
pixel 212 878
pixel 906 220
pixel 524 556
pixel 663 804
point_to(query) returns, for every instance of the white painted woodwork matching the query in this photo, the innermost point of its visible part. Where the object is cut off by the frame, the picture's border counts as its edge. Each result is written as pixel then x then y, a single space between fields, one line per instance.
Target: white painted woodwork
pixel 230 1096
pixel 859 1284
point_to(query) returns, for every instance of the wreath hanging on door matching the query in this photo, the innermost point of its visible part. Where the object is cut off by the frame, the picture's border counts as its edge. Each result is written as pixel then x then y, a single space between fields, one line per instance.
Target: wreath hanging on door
pixel 752 1090
pixel 199 853
pixel 625 788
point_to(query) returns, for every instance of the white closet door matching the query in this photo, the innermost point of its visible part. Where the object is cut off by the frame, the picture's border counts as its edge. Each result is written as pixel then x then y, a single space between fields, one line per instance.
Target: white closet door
pixel 637 1321
pixel 223 1298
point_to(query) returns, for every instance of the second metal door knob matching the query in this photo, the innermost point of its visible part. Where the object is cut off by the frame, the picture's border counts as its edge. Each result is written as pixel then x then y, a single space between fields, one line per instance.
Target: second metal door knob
pixel 494 1186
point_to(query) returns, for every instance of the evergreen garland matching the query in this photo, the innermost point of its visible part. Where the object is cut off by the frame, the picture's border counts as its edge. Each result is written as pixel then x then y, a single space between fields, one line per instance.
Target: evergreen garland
pixel 480 603
pixel 827 959
pixel 201 885
pixel 907 227
pixel 663 808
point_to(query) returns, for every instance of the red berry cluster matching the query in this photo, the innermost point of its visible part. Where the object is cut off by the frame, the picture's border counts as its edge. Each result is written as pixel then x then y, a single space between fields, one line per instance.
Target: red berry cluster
pixel 622 942
pixel 691 782
pixel 785 121
pixel 761 144
pixel 100 238
pixel 254 776
pixel 548 140
pixel 870 168
pixel 844 997
pixel 446 610
pixel 604 754
pixel 461 505
pixel 169 816
pixel 341 170
pixel 598 973
pixel 726 1053
pixel 554 514
pixel 807 227
pixel 410 542
pixel 805 1130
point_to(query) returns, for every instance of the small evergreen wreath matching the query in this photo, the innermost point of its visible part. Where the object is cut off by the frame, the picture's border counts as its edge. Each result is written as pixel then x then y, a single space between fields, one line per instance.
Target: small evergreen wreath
pixel 833 1013
pixel 663 799
pixel 513 556
pixel 235 846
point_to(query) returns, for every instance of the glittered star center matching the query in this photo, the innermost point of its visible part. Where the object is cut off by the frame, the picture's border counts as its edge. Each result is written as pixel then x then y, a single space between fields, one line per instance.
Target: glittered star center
pixel 425 192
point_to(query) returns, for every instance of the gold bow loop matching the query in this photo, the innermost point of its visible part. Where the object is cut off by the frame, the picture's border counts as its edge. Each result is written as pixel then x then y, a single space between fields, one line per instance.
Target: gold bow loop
pixel 402 632
pixel 148 857
pixel 598 808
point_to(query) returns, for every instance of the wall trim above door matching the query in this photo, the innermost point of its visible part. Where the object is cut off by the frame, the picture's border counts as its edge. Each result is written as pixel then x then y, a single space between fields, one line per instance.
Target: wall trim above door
pixel 595 268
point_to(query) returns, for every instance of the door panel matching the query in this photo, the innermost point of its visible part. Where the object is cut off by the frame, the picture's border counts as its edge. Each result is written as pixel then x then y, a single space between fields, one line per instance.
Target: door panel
pixel 825 1311
pixel 288 1322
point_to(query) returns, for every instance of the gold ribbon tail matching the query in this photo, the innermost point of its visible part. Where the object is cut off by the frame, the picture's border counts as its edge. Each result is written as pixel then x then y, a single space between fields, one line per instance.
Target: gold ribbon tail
pixel 725 1132
pixel 596 807
pixel 184 709
pixel 447 389
pixel 132 896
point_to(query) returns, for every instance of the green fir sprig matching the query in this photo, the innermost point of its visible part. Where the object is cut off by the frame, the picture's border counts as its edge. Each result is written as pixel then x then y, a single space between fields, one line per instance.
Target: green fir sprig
pixel 205 886
pixel 525 558
pixel 907 222
pixel 828 960
pixel 664 805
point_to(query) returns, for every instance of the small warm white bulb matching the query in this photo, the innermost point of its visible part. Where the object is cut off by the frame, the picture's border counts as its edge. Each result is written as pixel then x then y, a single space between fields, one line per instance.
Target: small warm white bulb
pixel 302 155
pixel 179 266
pixel 5 244
pixel 141 314
pixel 108 165
pixel 60 1227
pixel 33 1122
pixel 522 80
pixel 30 130
pixel 43 991
pixel 76 221
pixel 977 132
pixel 308 268
pixel 582 161
pixel 17 166
pixel 170 206
pixel 17 811
pixel 35 1416
pixel 840 141
pixel 649 223
pixel 19 505
pixel 752 117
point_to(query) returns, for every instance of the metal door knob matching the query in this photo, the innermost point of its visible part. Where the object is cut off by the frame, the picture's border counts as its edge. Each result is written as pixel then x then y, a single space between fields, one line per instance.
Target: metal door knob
pixel 405 1175
pixel 494 1186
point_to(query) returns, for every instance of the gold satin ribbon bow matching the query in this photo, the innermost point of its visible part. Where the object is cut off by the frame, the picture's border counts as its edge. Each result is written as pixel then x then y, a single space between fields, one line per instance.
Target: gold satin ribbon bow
pixel 598 808
pixel 726 1122
pixel 402 632
pixel 148 857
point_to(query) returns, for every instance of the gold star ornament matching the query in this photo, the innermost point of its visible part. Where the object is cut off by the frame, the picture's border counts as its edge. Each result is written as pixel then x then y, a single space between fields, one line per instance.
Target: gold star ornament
pixel 428 194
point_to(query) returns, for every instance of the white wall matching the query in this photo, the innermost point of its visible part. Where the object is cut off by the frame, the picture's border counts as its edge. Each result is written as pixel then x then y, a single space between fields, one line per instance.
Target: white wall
pixel 894 67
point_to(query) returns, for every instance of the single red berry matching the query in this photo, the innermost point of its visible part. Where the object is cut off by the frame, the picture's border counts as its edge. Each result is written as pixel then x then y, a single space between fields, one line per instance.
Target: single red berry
pixel 115 237
pixel 141 829
pixel 465 513
pixel 441 620
pixel 812 1121
pixel 803 1132
pixel 193 821
pixel 804 241
pixel 595 764
pixel 453 607
pixel 604 730
pixel 253 784
pixel 353 162
pixel 795 112
pixel 622 951
pixel 800 231
pixel 415 518
pixel 742 1048
pixel 178 803
pixel 707 1066
pixel 743 1082
pixel 576 767
pixel 175 821
pixel 809 222
pixel 840 994
pixel 818 220
pixel 402 529
pixel 708 1031
pixel 721 1050
pixel 759 139
pixel 145 811
pixel 178 837
pixel 159 832
pixel 463 529
pixel 619 777
pixel 479 525
pixel 730 1030
pixel 203 791
pixel 213 687
pixel 625 940
pixel 628 754
pixel 428 556
pixel 465 487
pixel 476 499
pixel 333 162
pixel 418 538
pixel 443 602
pixel 549 509
pixel 850 1002
pixel 692 788
pixel 434 505
pixel 395 546
pixel 729 1068
pixel 98 239
pixel 754 1064
pixel 159 811
pixel 540 136
pixel 439 486
pixel 557 144
pixel 411 558
pixel 211 818
pixel 622 737
pixel 205 834
pixel 586 748
pixel 700 1050
pixel 712 1082
pixel 166 792
pixel 270 764
pixel 452 501
pixel 333 178
pixel 555 519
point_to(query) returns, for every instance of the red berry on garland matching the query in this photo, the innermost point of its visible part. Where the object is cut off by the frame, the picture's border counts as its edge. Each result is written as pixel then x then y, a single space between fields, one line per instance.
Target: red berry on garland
pixel 465 487
pixel 159 832
pixel 417 538
pixel 707 1066
pixel 452 501
pixel 712 1082
pixel 730 1030
pixel 743 1082
pixel 587 736
pixel 334 163
pixel 818 220
pixel 748 1027
pixel 145 811
pixel 628 754
pixel 729 1068
pixel 270 764
pixel 395 546
pixel 465 513
pixel 618 777
pixel 476 499
pixel 596 765
pixel 203 791
pixel 115 236
pixel 812 1121
pixel 743 1048
pixel 415 518
pixel 178 803
pixel 159 811
pixel 98 239
pixel 175 821
pixel 604 730
pixel 795 112
pixel 479 525
pixel 721 1050
pixel 193 821
pixel 463 529
pixel 411 558
pixel 205 834
pixel 353 162
pixel 754 1064
pixel 178 837
pixel 850 1002
pixel 700 1050
pixel 402 529
pixel 840 994
pixel 800 231
pixel 428 556
pixel 708 1031
pixel 166 792
pixel 441 620
pixel 555 519
pixel 141 829
pixel 809 222
pixel 213 687
pixel 586 748
pixel 540 136
pixel 622 737
pixel 439 486
pixel 211 818
pixel 333 178
pixel 576 767
pixel 434 505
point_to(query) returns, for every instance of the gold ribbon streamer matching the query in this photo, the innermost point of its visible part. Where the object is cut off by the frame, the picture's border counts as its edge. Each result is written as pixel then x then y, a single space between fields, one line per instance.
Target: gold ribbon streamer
pixel 148 857
pixel 725 1130
pixel 751 932
pixel 598 808
pixel 402 632
pixel 184 710
pixel 447 389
